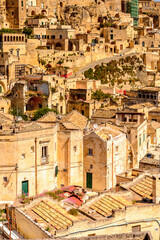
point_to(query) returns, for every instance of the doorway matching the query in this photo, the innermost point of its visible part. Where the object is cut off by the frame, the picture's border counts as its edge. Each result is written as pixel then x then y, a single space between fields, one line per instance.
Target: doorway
pixel 25 187
pixel 89 180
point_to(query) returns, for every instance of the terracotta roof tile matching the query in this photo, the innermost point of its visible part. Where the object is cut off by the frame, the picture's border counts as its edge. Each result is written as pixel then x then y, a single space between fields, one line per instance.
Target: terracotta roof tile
pixel 53 214
pixel 144 187
pixel 106 204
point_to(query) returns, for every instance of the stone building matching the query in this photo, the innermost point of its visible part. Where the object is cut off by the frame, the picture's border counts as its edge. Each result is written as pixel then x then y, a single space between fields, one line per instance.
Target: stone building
pixel 80 100
pixel 69 147
pixel 63 38
pixel 29 159
pixel 145 94
pixel 16 13
pixel 134 124
pixel 29 94
pixel 13 43
pixel 105 156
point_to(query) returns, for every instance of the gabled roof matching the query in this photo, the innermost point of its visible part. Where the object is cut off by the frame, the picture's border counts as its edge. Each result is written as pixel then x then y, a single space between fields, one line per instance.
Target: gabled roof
pixel 141 105
pixel 31 127
pixel 70 126
pixel 154 125
pixel 5 117
pixel 105 132
pixel 100 113
pixel 54 215
pixel 76 118
pixel 49 117
pixel 106 204
pixel 144 187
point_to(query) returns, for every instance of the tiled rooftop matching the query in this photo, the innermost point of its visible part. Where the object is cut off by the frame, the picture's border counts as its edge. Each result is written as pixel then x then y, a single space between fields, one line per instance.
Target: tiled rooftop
pixel 53 214
pixel 144 187
pixel 76 118
pixel 109 129
pixel 49 117
pixel 105 205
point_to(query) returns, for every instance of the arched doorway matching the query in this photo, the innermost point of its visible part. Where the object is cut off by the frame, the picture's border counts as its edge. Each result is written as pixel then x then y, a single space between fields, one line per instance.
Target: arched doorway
pixel 35 103
pixel 33 13
pixel 58 46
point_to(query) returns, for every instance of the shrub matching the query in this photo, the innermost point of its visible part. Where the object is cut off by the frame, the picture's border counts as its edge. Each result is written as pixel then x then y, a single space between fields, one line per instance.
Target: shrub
pixel 27 31
pixel 73 212
pixel 41 112
pixel 48 228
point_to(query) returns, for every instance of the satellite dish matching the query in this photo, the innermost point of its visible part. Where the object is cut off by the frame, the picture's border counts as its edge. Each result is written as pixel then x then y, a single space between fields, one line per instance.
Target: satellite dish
pixel 95 126
pixel 18 118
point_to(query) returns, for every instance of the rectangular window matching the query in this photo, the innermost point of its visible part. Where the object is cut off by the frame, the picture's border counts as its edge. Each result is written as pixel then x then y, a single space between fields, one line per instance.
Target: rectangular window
pixel 60 36
pixel 144 136
pixel 21 3
pixel 44 154
pixel 111 36
pixel 32 149
pixel 139 141
pixel 136 228
pixel 117 150
pixel 90 152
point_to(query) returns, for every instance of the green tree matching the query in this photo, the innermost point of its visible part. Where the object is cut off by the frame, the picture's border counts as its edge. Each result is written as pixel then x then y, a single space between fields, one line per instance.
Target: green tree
pixel 89 73
pixel 128 7
pixel 27 31
pixel 41 112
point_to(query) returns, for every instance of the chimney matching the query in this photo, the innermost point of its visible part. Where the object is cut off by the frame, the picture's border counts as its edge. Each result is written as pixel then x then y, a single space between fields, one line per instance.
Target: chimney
pixel 156 188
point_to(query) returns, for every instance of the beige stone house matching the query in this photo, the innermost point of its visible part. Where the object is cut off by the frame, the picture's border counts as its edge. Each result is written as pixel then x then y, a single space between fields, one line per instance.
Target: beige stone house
pixel 153 130
pixel 14 43
pixel 105 156
pixel 134 125
pixel 28 160
pixel 69 147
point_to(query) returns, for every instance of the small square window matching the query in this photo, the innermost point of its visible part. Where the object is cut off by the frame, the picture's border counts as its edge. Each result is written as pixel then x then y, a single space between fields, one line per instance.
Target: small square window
pixel 23 155
pixel 136 228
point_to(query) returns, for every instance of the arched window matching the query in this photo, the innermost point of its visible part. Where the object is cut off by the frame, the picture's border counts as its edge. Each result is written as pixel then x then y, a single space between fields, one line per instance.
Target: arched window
pixel 143 44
